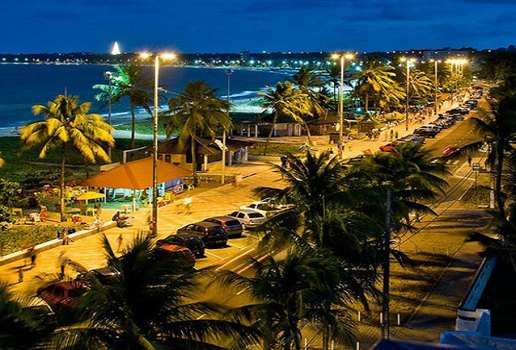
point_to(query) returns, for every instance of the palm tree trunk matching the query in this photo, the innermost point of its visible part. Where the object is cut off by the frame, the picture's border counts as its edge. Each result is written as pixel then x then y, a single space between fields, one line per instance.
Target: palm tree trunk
pixel 270 133
pixel 194 158
pixel 61 193
pixel 133 126
pixel 308 135
pixel 498 183
pixel 367 103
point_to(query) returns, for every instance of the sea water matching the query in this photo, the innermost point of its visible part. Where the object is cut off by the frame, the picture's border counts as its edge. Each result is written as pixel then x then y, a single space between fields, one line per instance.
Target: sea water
pixel 25 85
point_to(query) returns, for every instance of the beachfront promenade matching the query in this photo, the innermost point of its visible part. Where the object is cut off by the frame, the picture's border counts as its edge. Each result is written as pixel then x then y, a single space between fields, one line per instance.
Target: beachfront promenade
pixel 434 314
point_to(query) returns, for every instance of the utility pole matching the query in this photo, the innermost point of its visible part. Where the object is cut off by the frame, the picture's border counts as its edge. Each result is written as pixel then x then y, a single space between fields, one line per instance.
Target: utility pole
pixel 386 265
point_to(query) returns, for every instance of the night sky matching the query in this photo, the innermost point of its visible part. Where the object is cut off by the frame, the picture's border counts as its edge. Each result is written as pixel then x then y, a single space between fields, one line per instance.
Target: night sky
pixel 37 26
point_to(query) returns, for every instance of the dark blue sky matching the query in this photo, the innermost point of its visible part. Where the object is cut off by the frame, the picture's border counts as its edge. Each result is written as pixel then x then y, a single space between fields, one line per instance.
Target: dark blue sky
pixel 35 26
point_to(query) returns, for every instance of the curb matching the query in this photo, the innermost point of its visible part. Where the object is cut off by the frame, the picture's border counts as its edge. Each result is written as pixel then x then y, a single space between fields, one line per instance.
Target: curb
pixel 9 258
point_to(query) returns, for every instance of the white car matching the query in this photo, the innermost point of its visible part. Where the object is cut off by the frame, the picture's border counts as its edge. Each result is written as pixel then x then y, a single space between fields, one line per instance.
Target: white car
pixel 249 218
pixel 266 206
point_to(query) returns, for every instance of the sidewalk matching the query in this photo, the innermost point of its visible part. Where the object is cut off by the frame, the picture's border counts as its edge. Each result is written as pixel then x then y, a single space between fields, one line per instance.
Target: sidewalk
pixel 436 310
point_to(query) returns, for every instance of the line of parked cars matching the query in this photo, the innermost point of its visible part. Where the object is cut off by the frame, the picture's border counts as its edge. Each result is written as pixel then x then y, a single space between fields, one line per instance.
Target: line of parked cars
pixel 442 122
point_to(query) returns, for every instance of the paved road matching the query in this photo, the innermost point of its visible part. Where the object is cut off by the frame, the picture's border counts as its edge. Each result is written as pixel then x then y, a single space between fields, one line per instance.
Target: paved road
pixel 221 200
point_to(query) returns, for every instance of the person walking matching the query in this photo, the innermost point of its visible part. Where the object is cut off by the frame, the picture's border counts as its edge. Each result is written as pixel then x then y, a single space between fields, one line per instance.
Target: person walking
pixel 469 160
pixel 32 254
pixel 391 135
pixel 120 241
pixel 63 260
pixel 396 135
pixel 20 274
pixel 187 202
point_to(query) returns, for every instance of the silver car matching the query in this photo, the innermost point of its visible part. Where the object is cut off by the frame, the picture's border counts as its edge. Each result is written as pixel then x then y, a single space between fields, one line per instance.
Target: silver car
pixel 249 218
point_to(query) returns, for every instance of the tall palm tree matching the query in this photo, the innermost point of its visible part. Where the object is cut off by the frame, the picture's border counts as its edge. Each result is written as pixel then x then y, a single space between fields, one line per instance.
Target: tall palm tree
pixel 128 81
pixel 287 292
pixel 421 86
pixel 501 128
pixel 197 112
pixel 376 79
pixel 313 87
pixel 149 304
pixel 286 101
pixel 68 124
pixel 411 173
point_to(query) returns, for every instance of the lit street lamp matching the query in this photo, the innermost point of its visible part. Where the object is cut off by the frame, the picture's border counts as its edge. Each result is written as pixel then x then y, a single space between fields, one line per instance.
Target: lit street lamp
pixel 108 76
pixel 436 84
pixel 153 226
pixel 222 180
pixel 407 61
pixel 343 58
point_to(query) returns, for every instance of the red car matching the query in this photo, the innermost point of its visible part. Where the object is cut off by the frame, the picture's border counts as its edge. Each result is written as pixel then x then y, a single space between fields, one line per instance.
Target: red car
pixel 449 150
pixel 181 256
pixel 63 294
pixel 388 147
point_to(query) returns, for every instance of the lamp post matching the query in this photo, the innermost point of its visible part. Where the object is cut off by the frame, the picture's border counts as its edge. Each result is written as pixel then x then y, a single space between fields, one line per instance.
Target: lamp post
pixel 407 62
pixel 108 76
pixel 222 181
pixel 436 85
pixel 343 58
pixel 153 226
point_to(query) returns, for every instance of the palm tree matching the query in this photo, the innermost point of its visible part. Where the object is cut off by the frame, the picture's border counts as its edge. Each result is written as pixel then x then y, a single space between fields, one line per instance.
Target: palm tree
pixel 411 173
pixel 312 86
pixel 501 128
pixel 21 328
pixel 286 293
pixel 148 305
pixel 421 86
pixel 286 101
pixel 68 124
pixel 376 80
pixel 131 82
pixel 197 112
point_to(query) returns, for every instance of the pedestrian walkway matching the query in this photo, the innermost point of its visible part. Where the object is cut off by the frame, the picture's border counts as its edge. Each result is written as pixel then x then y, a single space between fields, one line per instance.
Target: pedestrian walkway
pixel 440 239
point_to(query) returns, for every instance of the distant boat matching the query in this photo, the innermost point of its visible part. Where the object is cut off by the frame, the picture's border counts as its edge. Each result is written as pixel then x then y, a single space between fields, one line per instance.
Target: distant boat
pixel 116 49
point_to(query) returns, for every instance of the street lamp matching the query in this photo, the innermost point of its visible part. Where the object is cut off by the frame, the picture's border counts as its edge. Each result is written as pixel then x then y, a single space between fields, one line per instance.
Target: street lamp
pixel 109 76
pixel 165 56
pixel 407 61
pixel 343 58
pixel 436 84
pixel 222 180
pixel 457 68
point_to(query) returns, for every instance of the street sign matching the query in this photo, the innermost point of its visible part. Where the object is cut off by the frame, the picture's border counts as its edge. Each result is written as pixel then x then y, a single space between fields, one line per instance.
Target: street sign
pixel 476 166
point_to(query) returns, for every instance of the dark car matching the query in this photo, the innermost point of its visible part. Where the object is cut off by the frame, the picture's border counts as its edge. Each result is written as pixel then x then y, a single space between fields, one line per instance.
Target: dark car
pixel 424 132
pixel 63 294
pixel 105 275
pixel 212 234
pixel 188 240
pixel 233 227
pixel 179 256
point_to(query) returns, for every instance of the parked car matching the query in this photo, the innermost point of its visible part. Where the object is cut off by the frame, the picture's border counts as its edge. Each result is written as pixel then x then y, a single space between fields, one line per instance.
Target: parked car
pixel 105 275
pixel 388 147
pixel 212 234
pixel 180 256
pixel 188 240
pixel 415 139
pixel 249 218
pixel 64 294
pixel 425 132
pixel 233 227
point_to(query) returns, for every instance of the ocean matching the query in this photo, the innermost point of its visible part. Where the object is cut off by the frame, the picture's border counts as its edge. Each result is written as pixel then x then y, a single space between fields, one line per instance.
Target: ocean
pixel 25 85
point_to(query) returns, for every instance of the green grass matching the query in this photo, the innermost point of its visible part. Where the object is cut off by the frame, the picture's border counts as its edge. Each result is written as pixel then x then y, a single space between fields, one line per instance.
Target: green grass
pixel 20 237
pixel 275 149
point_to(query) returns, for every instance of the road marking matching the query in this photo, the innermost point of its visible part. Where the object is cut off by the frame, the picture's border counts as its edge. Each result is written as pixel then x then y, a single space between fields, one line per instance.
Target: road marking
pixel 215 255
pixel 243 290
pixel 236 245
